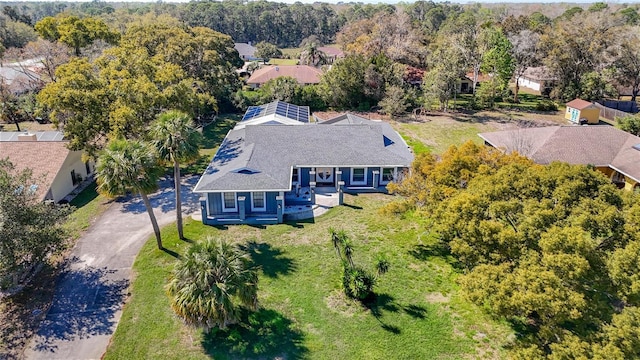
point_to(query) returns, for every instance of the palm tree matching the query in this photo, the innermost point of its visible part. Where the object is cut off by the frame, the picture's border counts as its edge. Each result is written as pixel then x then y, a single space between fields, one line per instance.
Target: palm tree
pixel 130 165
pixel 312 56
pixel 176 140
pixel 211 282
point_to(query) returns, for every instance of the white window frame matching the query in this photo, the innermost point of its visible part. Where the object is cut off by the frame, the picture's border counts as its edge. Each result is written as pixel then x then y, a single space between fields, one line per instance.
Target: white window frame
pixel 235 198
pixel 393 173
pixel 264 202
pixel 352 182
pixel 296 170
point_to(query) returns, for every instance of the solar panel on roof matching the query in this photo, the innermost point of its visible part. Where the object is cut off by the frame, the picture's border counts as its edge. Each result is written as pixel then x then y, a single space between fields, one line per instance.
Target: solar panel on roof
pixel 299 113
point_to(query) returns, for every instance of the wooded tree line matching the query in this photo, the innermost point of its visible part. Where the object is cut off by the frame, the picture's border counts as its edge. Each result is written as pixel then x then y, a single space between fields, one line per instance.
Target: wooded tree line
pixel 553 249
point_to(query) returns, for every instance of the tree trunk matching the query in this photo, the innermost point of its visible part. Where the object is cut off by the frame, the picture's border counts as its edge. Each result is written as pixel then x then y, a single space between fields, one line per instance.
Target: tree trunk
pixel 15 121
pixel 152 216
pixel 476 73
pixel 634 92
pixel 176 181
pixel 515 93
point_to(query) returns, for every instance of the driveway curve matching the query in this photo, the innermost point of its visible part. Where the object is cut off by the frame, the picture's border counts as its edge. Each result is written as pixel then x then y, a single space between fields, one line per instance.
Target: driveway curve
pixel 92 289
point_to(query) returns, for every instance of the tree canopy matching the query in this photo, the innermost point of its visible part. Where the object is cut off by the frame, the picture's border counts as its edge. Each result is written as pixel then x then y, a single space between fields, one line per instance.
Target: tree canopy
pixel 552 249
pixel 155 68
pixel 30 230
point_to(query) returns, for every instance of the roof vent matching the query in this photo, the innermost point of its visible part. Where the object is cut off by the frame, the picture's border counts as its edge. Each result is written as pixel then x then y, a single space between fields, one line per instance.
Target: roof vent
pixel 387 141
pixel 277 68
pixel 636 146
pixel 27 137
pixel 245 171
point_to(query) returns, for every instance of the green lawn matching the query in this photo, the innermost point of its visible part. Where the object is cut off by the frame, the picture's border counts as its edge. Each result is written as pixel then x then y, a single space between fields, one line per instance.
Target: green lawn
pixel 418 313
pixel 89 205
pixel 438 134
pixel 291 51
pixel 212 137
pixel 283 62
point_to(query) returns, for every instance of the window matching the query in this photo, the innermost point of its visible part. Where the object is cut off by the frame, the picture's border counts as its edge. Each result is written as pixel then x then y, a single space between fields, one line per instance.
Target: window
pixel 295 177
pixel 387 175
pixel 617 178
pixel 358 176
pixel 229 203
pixel 74 178
pixel 258 201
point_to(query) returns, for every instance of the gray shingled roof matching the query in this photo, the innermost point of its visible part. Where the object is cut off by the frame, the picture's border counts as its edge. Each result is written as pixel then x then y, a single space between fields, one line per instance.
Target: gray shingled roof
pixel 261 157
pixel 598 145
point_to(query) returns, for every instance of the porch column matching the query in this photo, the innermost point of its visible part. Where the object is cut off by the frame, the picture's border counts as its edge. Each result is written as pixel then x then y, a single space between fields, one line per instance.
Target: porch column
pixel 376 178
pixel 312 187
pixel 338 176
pixel 340 192
pixel 280 202
pixel 312 175
pixel 241 207
pixel 203 208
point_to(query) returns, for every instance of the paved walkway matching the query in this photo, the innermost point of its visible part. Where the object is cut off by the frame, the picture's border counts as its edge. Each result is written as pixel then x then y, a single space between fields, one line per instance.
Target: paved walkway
pixel 90 293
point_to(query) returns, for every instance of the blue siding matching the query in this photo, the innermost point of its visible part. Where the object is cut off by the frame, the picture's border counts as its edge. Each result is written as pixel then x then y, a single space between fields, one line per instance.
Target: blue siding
pixel 304 176
pixel 215 204
pixel 370 175
pixel 345 175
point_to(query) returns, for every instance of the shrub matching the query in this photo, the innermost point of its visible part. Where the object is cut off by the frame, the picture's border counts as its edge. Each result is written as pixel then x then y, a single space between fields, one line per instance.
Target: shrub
pixel 546 105
pixel 357 282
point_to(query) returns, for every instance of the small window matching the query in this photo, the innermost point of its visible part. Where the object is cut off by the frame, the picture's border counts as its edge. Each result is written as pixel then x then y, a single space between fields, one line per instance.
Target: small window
pixel 358 176
pixel 74 177
pixel 617 178
pixel 229 203
pixel 258 201
pixel 295 177
pixel 387 175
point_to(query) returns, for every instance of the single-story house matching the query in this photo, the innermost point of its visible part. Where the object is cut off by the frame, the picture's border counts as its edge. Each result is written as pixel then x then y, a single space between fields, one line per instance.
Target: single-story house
pixel 465 86
pixel 275 160
pixel 19 79
pixel 56 170
pixel 304 74
pixel 332 53
pixel 246 51
pixel 538 79
pixel 612 151
pixel 581 111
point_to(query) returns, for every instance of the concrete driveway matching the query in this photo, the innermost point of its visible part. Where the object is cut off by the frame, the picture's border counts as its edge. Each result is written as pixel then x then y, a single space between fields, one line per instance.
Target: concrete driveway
pixel 90 293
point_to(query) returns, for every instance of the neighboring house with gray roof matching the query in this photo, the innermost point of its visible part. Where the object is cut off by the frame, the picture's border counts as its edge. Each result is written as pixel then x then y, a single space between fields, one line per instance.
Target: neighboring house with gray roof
pixel 246 51
pixel 612 151
pixel 261 170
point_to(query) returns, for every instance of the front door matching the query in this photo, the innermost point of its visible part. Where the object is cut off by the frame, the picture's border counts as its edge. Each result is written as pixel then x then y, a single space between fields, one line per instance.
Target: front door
pixel 324 175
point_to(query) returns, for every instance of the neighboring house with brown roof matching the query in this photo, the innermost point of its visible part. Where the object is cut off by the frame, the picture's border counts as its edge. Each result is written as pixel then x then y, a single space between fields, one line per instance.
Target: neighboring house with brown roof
pixel 538 79
pixel 304 74
pixel 332 53
pixel 56 170
pixel 582 111
pixel 612 151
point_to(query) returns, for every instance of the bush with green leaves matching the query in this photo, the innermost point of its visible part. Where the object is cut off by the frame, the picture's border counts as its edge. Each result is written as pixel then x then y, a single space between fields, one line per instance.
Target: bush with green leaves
pixel 212 283
pixel 357 282
pixel 30 230
pixel 552 249
pixel 546 105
